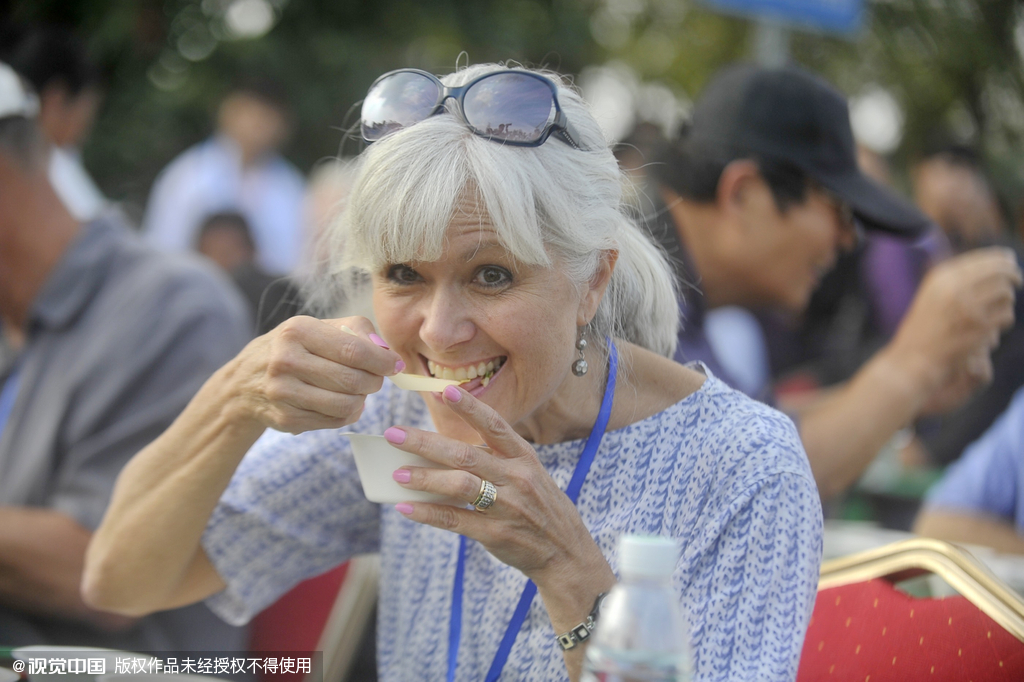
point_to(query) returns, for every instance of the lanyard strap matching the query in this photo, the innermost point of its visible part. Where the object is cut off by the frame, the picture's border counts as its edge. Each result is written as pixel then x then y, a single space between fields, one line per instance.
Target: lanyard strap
pixel 9 394
pixel 530 589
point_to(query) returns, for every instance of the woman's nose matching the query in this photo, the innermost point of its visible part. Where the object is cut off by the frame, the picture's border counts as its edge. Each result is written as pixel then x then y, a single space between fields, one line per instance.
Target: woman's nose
pixel 446 320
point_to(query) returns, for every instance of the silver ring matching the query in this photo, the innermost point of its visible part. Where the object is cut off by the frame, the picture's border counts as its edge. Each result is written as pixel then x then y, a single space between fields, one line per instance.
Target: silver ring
pixel 488 494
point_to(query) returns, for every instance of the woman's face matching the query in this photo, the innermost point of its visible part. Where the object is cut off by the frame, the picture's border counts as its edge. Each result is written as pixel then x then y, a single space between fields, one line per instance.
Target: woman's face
pixel 476 313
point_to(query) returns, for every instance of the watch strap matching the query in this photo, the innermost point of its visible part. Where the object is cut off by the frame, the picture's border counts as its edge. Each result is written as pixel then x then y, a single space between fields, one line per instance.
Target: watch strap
pixel 581 633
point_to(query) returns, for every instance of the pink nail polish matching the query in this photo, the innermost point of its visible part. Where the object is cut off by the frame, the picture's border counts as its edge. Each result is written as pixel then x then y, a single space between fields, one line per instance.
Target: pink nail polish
pixel 402 475
pixel 379 341
pixel 404 508
pixel 394 435
pixel 399 366
pixel 452 393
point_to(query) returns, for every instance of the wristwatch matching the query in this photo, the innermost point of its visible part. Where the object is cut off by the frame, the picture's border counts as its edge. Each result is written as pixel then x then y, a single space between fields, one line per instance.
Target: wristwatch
pixel 581 633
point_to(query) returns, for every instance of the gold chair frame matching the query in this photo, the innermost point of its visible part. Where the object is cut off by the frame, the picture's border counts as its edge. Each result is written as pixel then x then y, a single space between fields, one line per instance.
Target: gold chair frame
pixel 917 556
pixel 349 617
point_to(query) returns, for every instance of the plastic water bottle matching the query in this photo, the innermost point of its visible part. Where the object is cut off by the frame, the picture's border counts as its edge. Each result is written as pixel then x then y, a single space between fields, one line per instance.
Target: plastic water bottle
pixel 641 634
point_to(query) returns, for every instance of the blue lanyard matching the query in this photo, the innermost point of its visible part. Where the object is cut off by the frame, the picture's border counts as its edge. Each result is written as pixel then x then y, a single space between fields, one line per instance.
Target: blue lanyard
pixel 530 589
pixel 9 394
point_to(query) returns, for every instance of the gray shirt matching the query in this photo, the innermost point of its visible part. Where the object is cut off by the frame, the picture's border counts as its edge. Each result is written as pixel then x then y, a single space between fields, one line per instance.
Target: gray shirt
pixel 119 339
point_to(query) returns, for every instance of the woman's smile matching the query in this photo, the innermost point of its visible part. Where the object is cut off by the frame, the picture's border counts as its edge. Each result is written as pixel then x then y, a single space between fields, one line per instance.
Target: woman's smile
pixel 475 374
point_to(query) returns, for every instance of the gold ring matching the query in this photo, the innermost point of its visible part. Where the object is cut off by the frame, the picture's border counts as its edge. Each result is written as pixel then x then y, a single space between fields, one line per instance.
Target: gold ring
pixel 488 494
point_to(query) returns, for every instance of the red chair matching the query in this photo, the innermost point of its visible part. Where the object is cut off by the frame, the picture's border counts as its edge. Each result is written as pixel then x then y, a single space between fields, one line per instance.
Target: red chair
pixel 326 613
pixel 863 629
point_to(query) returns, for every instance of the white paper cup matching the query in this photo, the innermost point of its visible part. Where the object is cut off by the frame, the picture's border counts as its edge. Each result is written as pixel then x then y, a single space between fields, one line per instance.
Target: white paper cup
pixel 376 461
pixel 64 655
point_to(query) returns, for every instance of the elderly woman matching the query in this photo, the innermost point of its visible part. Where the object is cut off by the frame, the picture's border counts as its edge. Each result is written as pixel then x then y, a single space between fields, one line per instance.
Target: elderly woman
pixel 486 227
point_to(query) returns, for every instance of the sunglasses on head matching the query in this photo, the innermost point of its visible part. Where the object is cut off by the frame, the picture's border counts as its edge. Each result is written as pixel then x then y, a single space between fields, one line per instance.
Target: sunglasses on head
pixel 513 107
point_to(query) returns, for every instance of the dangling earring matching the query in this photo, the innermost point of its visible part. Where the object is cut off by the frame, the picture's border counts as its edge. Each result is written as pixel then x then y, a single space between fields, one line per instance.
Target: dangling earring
pixel 579 367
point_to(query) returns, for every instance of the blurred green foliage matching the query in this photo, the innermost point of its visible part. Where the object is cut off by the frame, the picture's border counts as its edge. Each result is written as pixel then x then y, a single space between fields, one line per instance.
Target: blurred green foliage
pixel 951 64
pixel 324 53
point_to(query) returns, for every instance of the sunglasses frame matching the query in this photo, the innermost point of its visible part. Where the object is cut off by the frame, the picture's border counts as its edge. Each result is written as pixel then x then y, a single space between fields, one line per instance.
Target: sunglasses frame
pixel 847 218
pixel 559 126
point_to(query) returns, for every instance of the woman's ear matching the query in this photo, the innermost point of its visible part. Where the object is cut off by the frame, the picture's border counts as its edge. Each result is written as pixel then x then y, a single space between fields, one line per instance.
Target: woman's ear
pixel 597 286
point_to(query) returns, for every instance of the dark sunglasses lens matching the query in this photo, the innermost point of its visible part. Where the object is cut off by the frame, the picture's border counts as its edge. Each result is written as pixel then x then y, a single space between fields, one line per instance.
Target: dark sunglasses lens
pixel 509 106
pixel 396 102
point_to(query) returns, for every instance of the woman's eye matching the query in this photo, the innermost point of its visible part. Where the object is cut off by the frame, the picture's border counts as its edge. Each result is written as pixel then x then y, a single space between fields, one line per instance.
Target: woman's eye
pixel 493 276
pixel 403 274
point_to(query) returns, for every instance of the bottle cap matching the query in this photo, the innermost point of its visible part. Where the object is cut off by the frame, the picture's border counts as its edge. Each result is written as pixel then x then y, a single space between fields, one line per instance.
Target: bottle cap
pixel 647 556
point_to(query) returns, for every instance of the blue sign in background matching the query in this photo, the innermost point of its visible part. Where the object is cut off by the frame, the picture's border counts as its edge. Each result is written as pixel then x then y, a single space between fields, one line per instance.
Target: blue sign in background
pixel 841 16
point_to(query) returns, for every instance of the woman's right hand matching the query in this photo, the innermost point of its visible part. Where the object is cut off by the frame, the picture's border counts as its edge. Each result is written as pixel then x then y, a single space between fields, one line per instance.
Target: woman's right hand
pixel 309 374
pixel 306 374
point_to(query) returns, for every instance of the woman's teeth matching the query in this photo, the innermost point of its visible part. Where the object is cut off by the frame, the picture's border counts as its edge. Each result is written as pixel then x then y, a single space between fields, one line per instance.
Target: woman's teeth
pixel 483 370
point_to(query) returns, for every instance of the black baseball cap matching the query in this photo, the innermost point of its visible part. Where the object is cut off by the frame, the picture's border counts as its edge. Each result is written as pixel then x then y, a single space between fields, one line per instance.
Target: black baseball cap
pixel 794 116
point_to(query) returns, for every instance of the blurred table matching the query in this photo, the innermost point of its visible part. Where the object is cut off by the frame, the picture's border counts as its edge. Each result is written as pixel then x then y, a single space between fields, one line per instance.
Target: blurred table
pixel 892 488
pixel 849 537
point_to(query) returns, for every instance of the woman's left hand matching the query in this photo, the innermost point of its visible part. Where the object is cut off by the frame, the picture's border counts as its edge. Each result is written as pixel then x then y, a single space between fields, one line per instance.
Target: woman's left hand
pixel 532 525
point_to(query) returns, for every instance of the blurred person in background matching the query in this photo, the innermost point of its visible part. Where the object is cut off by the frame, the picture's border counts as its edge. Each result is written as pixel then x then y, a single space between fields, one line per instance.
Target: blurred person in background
pixel 330 183
pixel 237 169
pixel 760 194
pixel 856 307
pixel 226 240
pixel 952 187
pixel 980 499
pixel 893 266
pixel 57 65
pixel 734 333
pixel 115 339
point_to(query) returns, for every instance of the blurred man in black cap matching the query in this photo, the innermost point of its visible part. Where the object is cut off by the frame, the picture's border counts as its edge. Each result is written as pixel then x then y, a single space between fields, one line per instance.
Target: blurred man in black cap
pixel 761 192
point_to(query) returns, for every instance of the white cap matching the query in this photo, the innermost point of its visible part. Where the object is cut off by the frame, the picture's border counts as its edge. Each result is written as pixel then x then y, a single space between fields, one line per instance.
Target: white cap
pixel 647 556
pixel 15 98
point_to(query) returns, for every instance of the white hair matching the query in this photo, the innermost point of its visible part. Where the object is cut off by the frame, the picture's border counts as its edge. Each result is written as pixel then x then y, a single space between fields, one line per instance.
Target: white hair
pixel 548 203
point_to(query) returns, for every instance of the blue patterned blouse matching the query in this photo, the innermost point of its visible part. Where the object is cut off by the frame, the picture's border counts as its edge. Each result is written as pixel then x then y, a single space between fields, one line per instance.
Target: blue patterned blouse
pixel 724 474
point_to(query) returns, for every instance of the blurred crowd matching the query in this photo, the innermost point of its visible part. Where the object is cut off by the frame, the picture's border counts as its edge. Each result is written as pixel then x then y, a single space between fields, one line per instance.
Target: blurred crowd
pixel 888 330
